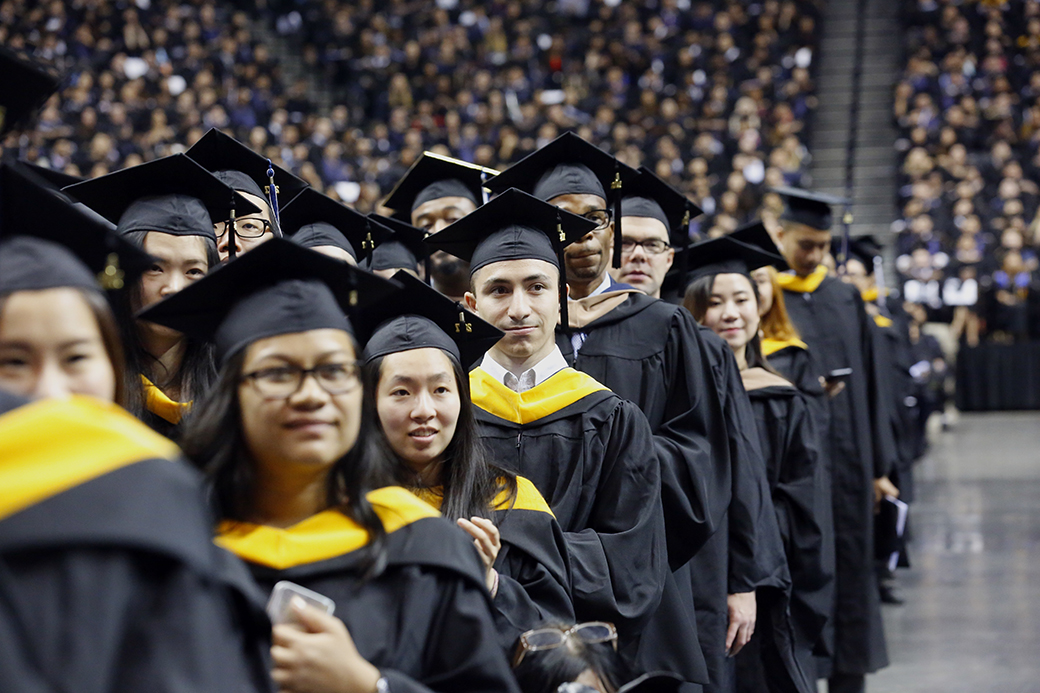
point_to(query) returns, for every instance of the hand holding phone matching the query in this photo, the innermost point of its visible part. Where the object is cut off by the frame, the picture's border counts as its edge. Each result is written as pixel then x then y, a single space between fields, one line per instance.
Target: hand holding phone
pixel 278 606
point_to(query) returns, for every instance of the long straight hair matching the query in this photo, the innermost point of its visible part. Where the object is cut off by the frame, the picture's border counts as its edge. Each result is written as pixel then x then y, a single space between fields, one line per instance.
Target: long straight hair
pixel 698 298
pixel 110 338
pixel 197 370
pixel 776 323
pixel 214 441
pixel 471 482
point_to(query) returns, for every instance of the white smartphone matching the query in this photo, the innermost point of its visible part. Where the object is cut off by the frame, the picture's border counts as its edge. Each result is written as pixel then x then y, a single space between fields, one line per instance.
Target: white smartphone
pixel 281 596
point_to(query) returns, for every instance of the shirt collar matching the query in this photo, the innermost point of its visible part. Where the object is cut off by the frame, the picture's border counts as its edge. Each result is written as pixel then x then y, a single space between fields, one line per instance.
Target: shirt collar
pixel 602 287
pixel 552 364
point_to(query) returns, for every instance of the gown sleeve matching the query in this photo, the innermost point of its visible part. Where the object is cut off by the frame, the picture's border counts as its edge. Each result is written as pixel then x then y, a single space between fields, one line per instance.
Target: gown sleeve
pixel 462 654
pixel 618 562
pixel 691 444
pixel 98 619
pixel 533 577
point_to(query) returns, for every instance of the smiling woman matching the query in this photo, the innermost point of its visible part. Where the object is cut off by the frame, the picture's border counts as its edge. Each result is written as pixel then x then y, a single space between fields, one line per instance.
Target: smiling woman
pixel 302 489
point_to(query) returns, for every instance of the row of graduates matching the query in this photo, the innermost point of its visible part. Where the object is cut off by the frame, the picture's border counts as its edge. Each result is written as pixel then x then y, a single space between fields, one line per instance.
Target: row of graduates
pixel 629 476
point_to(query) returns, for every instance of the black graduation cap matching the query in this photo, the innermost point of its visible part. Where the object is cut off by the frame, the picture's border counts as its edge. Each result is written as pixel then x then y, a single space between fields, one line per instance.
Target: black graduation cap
pixel 863 248
pixel 756 234
pixel 404 249
pixel 313 219
pixel 277 288
pixel 57 180
pixel 571 166
pixel 419 316
pixel 25 84
pixel 807 207
pixel 48 243
pixel 725 255
pixel 432 177
pixel 173 195
pixel 514 226
pixel 649 196
pixel 218 152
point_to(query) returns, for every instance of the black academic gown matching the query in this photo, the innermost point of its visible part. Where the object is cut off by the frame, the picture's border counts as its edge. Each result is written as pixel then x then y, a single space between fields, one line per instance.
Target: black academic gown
pixel 589 453
pixel 779 658
pixel 745 553
pixel 533 570
pixel 831 318
pixel 424 621
pixel 109 580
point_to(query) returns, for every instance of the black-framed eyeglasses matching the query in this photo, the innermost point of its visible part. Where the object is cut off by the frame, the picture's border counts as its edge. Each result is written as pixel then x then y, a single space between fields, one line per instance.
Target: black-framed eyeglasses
pixel 550 638
pixel 247 227
pixel 651 246
pixel 281 382
pixel 600 216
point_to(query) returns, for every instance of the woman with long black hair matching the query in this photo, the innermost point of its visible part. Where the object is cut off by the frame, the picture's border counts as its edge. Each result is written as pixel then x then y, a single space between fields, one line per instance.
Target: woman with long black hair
pixel 724 298
pixel 163 207
pixel 302 494
pixel 418 393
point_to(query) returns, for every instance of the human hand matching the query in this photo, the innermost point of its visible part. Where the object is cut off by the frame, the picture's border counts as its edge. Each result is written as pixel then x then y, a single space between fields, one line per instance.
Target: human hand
pixel 883 487
pixel 488 542
pixel 743 612
pixel 317 655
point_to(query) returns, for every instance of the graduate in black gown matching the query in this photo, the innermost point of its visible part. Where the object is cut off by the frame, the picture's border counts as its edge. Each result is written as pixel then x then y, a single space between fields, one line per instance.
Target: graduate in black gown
pixel 282 440
pixel 584 448
pixel 109 579
pixel 653 354
pixel 831 319
pixel 417 387
pixel 723 297
pixel 164 207
pixel 266 185
pixel 316 221
pixel 435 192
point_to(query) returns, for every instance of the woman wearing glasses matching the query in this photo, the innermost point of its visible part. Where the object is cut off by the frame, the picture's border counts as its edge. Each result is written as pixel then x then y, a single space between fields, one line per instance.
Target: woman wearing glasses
pixel 419 390
pixel 555 654
pixel 293 474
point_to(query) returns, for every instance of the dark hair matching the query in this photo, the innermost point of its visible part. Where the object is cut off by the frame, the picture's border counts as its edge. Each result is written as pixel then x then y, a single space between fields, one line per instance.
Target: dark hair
pixel 213 440
pixel 196 372
pixel 543 671
pixel 698 298
pixel 106 322
pixel 471 481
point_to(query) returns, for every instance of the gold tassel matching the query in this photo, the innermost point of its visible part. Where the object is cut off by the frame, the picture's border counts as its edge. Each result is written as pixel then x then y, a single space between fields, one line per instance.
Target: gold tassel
pixel 111 277
pixel 353 298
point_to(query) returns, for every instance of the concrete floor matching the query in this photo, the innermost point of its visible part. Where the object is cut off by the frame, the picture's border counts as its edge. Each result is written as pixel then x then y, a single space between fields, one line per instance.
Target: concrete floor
pixel 971 622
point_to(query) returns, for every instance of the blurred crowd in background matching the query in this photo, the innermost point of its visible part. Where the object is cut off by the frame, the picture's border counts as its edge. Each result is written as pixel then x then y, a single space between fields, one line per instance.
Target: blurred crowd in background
pixel 715 97
pixel 968 110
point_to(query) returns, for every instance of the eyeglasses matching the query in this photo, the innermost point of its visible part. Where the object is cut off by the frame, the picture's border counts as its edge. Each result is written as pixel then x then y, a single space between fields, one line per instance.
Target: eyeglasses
pixel 247 228
pixel 281 382
pixel 600 216
pixel 550 638
pixel 652 246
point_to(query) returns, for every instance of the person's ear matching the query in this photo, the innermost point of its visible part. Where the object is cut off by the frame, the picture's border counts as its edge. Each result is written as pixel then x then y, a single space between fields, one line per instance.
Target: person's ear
pixel 470 300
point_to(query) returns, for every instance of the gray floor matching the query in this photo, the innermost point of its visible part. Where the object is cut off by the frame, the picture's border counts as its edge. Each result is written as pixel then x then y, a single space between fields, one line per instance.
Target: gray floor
pixel 971 622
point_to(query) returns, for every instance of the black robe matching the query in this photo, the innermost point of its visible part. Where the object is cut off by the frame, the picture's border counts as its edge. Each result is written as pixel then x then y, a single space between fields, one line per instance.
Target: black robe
pixel 652 353
pixel 831 318
pixel 590 454
pixel 424 621
pixel 109 580
pixel 745 553
pixel 780 656
pixel 533 570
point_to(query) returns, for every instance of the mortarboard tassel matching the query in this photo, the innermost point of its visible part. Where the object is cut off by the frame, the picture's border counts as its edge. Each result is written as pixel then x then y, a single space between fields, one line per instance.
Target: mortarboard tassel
pixel 561 239
pixel 272 197
pixel 111 277
pixel 463 325
pixel 846 221
pixel 368 245
pixel 231 230
pixel 615 191
pixel 684 256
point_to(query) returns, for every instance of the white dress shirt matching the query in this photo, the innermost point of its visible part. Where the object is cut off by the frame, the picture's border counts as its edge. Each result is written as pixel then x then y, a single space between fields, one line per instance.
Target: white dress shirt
pixel 552 364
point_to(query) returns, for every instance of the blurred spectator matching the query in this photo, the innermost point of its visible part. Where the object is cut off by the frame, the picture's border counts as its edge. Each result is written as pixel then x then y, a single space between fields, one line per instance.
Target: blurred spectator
pixel 695 90
pixel 968 110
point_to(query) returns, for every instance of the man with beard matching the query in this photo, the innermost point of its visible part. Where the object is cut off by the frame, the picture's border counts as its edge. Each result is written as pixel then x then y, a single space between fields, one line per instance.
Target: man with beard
pixel 435 192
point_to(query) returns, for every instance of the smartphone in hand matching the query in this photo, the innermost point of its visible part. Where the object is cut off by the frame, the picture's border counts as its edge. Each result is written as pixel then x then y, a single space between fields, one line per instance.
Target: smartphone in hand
pixel 278 608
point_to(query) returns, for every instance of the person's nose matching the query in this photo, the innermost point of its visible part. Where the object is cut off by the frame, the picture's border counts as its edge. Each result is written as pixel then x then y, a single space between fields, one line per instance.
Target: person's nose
pixel 423 409
pixel 51 382
pixel 309 395
pixel 519 307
